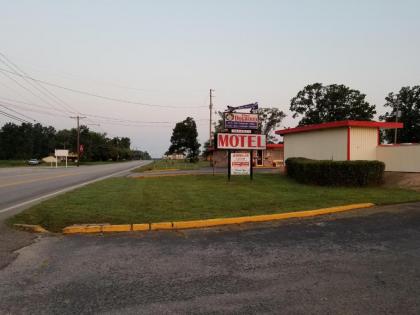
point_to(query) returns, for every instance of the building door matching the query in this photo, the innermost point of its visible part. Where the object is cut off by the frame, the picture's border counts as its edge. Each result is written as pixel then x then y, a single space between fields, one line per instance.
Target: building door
pixel 259 158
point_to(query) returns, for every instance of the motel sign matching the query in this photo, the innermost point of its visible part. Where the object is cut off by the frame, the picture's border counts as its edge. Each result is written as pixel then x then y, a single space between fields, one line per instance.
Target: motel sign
pixel 241 141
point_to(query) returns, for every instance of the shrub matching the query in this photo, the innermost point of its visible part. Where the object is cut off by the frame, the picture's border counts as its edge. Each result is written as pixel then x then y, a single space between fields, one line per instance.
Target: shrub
pixel 335 173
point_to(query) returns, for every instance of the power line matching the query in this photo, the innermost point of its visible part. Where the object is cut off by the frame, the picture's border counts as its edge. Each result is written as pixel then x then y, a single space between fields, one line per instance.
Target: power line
pixel 100 118
pixel 98 95
pixel 40 88
pixel 16 112
pixel 14 117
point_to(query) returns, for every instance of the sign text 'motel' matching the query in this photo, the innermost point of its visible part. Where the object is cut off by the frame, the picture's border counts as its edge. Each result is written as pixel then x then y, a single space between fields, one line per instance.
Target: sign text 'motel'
pixel 241 141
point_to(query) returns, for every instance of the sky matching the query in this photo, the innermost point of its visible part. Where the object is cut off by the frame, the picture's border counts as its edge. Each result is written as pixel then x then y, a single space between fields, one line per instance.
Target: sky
pixel 168 54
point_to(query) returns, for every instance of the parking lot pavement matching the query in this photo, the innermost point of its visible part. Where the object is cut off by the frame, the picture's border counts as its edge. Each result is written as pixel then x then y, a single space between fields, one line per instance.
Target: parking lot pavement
pixel 361 262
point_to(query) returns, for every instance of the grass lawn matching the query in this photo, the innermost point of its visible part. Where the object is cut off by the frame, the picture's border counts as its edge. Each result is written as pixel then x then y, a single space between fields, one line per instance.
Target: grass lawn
pixel 159 165
pixel 12 163
pixel 130 200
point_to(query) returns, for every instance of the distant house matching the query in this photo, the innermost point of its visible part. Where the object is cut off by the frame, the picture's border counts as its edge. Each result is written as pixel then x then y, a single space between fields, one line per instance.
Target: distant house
pixel 174 156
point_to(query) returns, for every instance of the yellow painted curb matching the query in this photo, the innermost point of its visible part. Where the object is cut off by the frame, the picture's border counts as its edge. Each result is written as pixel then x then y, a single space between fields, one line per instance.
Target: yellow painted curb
pixel 266 217
pixel 141 227
pixel 82 229
pixel 92 228
pixel 31 228
pixel 116 228
pixel 161 226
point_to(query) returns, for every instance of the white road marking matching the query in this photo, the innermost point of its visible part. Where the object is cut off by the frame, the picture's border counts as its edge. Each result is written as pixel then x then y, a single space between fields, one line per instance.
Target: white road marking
pixel 66 189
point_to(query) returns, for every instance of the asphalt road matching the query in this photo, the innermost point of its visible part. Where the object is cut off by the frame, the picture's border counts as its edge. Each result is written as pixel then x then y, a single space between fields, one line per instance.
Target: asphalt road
pixel 360 262
pixel 19 185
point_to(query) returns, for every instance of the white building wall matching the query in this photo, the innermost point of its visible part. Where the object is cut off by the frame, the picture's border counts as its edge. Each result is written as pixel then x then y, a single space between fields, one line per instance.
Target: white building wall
pixel 327 144
pixel 402 158
pixel 363 143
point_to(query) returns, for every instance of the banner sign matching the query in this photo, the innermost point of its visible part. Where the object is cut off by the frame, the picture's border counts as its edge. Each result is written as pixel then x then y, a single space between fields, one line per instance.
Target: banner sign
pixel 241 141
pixel 251 106
pixel 240 163
pixel 241 121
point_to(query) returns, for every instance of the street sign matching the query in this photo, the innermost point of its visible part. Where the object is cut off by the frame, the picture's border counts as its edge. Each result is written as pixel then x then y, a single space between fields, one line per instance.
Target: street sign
pixel 241 121
pixel 240 163
pixel 241 141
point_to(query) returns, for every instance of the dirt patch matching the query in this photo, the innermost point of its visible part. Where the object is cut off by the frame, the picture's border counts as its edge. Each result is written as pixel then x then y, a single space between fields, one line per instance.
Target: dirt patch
pixel 402 180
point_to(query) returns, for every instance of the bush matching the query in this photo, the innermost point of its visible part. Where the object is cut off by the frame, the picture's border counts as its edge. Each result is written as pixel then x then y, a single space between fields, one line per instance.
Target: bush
pixel 335 173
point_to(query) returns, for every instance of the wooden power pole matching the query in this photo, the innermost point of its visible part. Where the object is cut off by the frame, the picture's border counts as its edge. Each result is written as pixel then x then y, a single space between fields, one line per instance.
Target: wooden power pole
pixel 211 113
pixel 78 136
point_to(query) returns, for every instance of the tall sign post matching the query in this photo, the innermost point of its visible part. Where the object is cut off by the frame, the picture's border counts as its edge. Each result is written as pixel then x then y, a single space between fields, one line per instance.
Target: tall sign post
pixel 241 139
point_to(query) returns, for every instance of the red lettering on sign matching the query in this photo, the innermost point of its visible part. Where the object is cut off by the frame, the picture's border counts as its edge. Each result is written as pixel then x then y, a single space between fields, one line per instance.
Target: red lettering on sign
pixel 250 142
pixel 223 140
pixel 258 141
pixel 234 141
pixel 242 140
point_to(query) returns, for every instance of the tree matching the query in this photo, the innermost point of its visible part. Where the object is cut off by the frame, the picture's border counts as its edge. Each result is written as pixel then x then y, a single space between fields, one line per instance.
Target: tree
pixel 270 119
pixel 318 104
pixel 206 149
pixel 184 139
pixel 407 101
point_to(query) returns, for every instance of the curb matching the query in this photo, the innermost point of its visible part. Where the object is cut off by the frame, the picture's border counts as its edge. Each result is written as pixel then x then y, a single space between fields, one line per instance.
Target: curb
pixel 193 224
pixel 30 228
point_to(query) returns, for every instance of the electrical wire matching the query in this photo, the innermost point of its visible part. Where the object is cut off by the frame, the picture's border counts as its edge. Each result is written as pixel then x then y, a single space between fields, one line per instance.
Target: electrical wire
pixel 98 95
pixel 16 112
pixel 13 117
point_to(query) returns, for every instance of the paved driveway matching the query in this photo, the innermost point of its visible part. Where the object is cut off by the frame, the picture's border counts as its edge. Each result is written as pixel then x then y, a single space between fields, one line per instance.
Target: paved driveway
pixel 361 262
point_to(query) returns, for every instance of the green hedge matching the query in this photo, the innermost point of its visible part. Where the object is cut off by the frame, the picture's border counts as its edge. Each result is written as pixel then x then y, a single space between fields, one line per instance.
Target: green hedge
pixel 335 173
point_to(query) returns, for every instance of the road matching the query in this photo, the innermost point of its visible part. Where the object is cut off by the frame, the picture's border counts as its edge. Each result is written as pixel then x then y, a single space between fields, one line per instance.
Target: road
pixel 20 185
pixel 360 262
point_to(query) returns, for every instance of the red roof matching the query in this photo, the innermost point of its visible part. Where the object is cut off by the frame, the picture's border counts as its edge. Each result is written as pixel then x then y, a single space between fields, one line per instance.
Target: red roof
pixel 275 146
pixel 342 123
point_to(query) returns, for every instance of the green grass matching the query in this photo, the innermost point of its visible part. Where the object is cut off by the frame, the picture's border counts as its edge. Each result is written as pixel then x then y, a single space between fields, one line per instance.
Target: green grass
pixel 130 200
pixel 13 163
pixel 159 165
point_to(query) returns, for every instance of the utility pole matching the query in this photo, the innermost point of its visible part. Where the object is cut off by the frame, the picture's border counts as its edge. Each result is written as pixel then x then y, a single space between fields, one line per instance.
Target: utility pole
pixel 211 113
pixel 78 137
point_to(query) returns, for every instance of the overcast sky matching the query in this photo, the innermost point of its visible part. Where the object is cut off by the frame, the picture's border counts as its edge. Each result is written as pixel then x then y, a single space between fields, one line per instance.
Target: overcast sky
pixel 170 53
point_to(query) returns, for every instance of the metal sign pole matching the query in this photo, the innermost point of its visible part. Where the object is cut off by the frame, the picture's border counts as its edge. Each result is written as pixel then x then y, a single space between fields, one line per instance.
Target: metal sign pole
pixel 251 172
pixel 229 168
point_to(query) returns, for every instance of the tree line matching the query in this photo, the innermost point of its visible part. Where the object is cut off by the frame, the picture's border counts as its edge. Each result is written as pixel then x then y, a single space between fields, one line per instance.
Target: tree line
pixel 26 141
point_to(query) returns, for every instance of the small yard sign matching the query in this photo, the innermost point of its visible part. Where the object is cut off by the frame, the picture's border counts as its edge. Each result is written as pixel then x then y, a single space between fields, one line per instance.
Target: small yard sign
pixel 240 163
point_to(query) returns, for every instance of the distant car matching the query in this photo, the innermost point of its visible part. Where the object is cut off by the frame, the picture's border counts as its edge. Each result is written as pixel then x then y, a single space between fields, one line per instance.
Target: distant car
pixel 33 162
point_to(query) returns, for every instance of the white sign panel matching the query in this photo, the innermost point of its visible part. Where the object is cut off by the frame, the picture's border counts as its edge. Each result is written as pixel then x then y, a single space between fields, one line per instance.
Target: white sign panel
pixel 241 131
pixel 241 141
pixel 240 163
pixel 61 153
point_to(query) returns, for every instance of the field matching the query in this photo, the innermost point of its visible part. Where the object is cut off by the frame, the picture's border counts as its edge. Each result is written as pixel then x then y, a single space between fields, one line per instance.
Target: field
pixel 130 200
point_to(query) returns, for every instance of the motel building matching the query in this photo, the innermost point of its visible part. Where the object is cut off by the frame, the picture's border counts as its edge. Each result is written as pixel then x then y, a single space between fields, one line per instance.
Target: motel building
pixel 350 140
pixel 272 156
